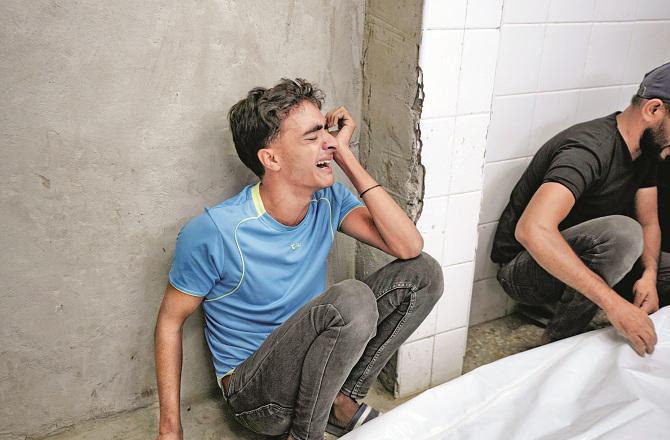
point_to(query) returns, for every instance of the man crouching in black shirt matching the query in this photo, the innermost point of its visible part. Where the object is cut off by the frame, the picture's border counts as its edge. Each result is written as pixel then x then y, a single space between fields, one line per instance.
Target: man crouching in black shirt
pixel 569 232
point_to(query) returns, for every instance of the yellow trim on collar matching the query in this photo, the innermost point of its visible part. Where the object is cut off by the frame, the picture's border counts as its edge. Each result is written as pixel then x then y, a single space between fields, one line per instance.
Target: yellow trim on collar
pixel 256 197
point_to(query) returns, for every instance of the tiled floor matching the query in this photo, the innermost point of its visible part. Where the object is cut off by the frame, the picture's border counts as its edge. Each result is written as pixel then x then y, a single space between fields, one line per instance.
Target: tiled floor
pixel 210 419
pixel 493 340
pixel 490 341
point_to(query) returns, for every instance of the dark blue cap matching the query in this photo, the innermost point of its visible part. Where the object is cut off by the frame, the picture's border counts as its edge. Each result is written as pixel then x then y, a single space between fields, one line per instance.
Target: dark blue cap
pixel 656 84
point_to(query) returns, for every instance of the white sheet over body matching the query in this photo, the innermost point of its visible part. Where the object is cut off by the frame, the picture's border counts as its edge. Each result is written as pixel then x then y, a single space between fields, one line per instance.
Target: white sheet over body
pixel 591 386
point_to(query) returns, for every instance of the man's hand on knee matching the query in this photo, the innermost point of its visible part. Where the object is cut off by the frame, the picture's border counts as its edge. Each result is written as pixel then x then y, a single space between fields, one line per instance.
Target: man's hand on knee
pixel 634 324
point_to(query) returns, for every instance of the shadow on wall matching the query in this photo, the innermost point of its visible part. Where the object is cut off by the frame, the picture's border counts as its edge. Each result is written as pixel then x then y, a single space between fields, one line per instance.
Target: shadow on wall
pixel 217 174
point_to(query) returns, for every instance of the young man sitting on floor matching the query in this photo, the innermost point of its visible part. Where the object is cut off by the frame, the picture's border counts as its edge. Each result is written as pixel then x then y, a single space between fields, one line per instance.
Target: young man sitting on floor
pixel 292 356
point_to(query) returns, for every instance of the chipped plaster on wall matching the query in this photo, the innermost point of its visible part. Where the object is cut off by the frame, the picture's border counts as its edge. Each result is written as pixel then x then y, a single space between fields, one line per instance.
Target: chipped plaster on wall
pixel 392 102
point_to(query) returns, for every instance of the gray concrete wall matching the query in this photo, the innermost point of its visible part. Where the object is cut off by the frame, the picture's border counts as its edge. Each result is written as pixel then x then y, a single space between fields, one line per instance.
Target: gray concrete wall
pixel 392 101
pixel 112 135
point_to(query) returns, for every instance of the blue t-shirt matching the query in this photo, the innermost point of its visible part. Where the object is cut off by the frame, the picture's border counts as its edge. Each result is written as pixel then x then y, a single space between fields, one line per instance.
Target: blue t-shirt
pixel 253 271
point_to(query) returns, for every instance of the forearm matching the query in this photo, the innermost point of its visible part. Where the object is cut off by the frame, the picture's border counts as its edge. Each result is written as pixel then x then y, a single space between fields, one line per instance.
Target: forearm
pixel 550 250
pixel 652 250
pixel 395 227
pixel 168 375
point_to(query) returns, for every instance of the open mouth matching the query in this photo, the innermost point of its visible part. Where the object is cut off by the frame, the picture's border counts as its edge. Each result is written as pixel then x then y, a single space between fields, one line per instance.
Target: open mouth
pixel 323 164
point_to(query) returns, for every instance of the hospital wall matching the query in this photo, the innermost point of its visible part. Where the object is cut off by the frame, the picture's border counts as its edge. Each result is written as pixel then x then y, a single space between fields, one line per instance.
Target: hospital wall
pixel 114 134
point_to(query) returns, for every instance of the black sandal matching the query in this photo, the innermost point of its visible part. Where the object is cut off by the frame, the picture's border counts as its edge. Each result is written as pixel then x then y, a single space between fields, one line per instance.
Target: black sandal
pixel 364 414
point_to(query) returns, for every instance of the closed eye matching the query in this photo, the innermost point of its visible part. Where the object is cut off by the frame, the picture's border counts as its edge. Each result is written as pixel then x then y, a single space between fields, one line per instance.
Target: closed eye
pixel 314 129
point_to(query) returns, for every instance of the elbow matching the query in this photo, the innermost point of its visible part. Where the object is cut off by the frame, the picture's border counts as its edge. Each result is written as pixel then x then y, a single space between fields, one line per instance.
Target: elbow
pixel 167 325
pixel 407 255
pixel 412 250
pixel 523 232
pixel 531 233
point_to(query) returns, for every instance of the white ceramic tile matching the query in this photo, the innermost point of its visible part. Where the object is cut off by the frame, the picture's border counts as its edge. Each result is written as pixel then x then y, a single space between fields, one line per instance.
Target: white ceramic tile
pixel 468 156
pixel 440 60
pixel 615 10
pixel 484 267
pixel 554 112
pixel 425 329
pixel 525 11
pixel 509 131
pixel 414 367
pixel 448 355
pixel 437 173
pixel 604 61
pixel 653 9
pixel 437 133
pixel 499 179
pixel 483 14
pixel 441 14
pixel 519 59
pixel 489 301
pixel 625 95
pixel 594 103
pixel 453 309
pixel 433 244
pixel 648 49
pixel 480 49
pixel 461 230
pixel 563 56
pixel 433 215
pixel 437 137
pixel 570 10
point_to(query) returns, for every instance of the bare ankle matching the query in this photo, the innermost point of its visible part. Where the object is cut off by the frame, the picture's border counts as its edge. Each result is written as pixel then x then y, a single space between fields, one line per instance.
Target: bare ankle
pixel 342 399
pixel 344 407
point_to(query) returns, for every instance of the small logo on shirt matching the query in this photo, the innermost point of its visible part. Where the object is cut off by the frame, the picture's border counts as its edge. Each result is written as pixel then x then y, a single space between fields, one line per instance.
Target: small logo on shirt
pixel 295 246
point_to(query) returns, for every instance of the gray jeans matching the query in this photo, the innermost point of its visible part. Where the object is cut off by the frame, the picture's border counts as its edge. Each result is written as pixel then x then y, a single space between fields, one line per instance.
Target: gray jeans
pixel 339 341
pixel 609 246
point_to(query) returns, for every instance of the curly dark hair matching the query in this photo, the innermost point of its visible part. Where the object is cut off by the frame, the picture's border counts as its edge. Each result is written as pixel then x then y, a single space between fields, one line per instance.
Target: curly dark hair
pixel 255 120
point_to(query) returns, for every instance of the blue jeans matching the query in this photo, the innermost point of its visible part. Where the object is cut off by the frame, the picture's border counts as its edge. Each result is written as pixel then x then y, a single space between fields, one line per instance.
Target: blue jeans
pixel 338 342
pixel 609 246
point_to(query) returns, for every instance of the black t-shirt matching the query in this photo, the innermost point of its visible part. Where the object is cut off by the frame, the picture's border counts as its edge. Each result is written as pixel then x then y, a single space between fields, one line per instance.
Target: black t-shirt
pixel 592 160
pixel 664 203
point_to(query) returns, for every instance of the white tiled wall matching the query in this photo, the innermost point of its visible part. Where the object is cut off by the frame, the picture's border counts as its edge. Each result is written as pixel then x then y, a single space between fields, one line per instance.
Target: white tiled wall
pixel 453 308
pixel 460 232
pixel 559 62
pixel 475 84
pixel 441 71
pixel 437 136
pixel 468 155
pixel 500 78
pixel 412 357
pixel 458 57
pixel 448 352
